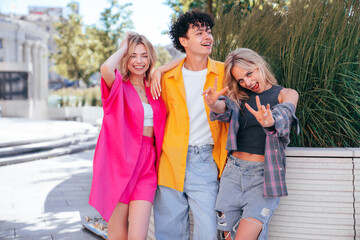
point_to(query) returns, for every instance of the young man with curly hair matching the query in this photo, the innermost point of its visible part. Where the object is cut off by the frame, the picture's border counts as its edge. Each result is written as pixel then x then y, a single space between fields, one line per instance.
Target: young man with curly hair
pixel 193 154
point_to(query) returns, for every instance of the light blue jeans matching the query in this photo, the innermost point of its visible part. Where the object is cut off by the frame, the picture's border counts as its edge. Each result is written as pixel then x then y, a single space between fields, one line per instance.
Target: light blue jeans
pixel 241 196
pixel 171 207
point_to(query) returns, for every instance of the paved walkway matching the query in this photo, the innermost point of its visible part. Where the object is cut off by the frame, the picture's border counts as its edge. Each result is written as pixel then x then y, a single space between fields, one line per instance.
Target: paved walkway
pixel 19 130
pixel 46 199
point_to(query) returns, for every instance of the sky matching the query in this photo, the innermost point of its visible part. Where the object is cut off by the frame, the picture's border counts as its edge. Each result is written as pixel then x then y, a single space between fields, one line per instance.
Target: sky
pixel 150 17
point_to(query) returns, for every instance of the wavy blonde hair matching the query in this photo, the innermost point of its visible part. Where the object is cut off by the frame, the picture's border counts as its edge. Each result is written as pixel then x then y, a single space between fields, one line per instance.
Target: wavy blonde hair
pixel 135 39
pixel 248 60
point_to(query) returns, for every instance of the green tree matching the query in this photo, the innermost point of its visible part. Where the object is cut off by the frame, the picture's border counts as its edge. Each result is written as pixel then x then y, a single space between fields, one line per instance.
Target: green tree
pixel 114 20
pixel 73 58
pixel 163 56
pixel 81 49
pixel 216 7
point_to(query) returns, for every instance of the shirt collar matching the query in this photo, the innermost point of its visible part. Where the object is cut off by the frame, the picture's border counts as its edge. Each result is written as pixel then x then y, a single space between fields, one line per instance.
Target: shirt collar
pixel 176 72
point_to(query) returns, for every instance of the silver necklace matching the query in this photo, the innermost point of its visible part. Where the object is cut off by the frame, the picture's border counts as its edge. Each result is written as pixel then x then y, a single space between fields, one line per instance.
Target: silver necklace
pixel 140 90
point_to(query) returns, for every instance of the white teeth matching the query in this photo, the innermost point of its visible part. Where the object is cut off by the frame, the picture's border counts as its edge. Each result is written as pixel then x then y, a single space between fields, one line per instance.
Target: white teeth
pixel 138 67
pixel 253 85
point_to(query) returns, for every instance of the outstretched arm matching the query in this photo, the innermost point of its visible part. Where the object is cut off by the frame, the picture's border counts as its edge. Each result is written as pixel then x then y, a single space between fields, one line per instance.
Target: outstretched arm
pixel 211 98
pixel 155 87
pixel 108 67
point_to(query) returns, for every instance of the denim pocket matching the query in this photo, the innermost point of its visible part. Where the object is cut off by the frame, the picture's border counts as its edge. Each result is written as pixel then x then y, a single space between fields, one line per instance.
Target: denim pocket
pixel 206 156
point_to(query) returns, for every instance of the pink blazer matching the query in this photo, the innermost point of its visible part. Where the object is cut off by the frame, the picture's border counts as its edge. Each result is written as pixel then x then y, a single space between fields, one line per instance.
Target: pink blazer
pixel 118 146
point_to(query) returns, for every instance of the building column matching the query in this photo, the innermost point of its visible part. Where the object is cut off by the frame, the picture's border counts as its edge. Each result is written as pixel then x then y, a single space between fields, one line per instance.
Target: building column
pixel 39 72
pixel 35 74
pixel 43 72
pixel 27 60
pixel 19 53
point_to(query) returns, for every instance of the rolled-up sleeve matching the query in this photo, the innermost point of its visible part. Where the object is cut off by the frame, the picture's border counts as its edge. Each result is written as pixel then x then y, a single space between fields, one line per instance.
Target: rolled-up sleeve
pixel 225 116
pixel 284 116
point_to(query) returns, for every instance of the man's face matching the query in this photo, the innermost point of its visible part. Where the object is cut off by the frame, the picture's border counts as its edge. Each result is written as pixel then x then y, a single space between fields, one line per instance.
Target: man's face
pixel 199 40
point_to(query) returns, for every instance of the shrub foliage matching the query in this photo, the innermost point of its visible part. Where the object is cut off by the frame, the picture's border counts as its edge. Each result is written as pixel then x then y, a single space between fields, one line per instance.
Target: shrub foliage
pixel 313 47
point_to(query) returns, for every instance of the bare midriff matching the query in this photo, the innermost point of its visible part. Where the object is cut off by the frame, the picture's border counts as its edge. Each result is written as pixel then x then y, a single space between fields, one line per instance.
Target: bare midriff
pixel 148 131
pixel 248 156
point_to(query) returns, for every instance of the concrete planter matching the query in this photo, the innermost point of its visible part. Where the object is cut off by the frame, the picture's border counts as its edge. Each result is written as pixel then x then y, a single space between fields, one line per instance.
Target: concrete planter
pixel 65 113
pixel 324 196
pixel 91 114
pixel 323 201
pixel 88 114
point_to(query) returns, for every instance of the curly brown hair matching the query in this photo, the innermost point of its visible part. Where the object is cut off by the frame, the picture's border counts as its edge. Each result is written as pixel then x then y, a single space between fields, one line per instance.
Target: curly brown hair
pixel 180 27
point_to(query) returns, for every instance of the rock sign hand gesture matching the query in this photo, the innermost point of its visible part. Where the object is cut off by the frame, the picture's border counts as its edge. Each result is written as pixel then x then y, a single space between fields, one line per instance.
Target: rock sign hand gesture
pixel 263 115
pixel 211 96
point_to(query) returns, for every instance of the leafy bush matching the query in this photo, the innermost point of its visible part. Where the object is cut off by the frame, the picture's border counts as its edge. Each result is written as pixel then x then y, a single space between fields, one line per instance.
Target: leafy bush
pixel 313 47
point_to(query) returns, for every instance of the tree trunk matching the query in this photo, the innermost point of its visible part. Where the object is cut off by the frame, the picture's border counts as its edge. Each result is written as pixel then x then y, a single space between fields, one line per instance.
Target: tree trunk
pixel 209 7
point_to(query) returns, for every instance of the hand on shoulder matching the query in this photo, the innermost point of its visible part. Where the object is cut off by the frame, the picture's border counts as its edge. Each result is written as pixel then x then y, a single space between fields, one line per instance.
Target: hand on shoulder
pixel 155 83
pixel 289 95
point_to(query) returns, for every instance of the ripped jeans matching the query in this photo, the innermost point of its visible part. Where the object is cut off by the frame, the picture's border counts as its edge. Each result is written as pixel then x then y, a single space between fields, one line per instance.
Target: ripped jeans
pixel 241 196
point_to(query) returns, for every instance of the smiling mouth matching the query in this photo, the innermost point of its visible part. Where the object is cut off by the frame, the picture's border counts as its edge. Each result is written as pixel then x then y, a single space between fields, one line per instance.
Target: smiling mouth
pixel 255 86
pixel 139 67
pixel 206 44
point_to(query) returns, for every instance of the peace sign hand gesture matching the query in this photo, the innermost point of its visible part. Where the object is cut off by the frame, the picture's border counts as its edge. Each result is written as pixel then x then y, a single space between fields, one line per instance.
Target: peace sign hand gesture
pixel 211 96
pixel 263 115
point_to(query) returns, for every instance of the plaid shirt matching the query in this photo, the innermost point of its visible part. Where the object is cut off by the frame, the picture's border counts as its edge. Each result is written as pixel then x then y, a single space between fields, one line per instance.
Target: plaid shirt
pixel 277 138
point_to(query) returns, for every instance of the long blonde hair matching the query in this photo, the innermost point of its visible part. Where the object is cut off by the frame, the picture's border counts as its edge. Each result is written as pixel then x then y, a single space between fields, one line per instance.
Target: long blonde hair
pixel 135 39
pixel 249 60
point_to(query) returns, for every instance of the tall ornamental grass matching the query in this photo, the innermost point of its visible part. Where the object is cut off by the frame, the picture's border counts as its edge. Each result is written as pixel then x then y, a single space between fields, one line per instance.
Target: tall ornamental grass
pixel 312 47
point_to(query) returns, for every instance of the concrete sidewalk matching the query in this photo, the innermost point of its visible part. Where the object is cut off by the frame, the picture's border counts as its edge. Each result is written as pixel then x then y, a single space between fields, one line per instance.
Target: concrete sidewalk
pixel 23 140
pixel 46 199
pixel 16 131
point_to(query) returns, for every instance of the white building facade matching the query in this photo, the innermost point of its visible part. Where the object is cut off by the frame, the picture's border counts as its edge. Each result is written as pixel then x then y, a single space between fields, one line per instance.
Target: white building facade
pixel 23 69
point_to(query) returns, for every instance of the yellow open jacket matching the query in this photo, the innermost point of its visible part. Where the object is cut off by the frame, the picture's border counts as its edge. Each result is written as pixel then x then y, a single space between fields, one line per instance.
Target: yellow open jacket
pixel 172 164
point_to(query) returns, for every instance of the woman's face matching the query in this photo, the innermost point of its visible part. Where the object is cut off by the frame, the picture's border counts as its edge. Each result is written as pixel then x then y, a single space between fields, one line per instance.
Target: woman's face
pixel 139 61
pixel 250 79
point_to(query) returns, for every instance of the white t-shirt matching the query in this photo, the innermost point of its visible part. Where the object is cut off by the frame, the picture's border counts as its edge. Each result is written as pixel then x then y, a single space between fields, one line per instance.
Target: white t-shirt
pixel 194 82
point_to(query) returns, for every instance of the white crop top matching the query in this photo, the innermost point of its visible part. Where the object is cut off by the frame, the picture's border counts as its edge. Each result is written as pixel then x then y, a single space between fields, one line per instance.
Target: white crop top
pixel 148 115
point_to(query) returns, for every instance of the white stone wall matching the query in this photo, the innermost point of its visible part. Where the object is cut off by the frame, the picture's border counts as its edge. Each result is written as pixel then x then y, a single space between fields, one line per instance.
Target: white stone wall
pixel 324 196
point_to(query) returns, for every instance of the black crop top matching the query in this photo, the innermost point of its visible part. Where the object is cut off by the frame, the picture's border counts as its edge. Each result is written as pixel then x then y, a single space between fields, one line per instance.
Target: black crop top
pixel 251 136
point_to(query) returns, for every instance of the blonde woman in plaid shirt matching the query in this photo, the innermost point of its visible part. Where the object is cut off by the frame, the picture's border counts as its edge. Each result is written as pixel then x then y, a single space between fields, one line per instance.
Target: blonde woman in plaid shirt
pixel 260 113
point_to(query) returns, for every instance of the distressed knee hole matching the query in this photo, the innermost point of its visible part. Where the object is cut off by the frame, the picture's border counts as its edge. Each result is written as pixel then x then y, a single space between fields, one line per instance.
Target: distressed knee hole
pixel 255 221
pixel 220 215
pixel 225 235
pixel 265 212
pixel 221 219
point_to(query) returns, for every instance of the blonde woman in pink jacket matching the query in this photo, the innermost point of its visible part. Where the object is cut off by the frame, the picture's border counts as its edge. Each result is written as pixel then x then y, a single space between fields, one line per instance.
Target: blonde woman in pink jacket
pixel 128 149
